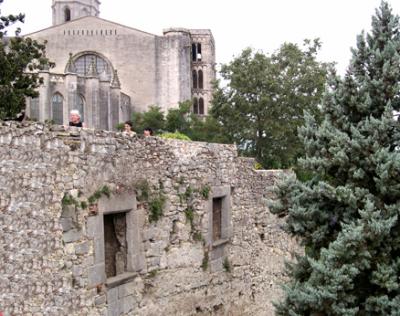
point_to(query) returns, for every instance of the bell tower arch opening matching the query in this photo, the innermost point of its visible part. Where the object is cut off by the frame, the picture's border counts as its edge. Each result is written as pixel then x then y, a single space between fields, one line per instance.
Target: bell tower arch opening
pixel 69 10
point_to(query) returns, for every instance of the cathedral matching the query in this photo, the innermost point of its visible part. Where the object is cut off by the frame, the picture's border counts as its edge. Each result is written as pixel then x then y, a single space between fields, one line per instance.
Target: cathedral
pixel 107 71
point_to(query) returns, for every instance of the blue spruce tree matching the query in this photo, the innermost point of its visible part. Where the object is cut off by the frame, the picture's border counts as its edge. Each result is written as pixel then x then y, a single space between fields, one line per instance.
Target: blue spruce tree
pixel 347 215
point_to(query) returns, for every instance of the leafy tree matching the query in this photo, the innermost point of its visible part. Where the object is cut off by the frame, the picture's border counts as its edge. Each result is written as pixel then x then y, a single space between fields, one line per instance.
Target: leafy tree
pixel 20 59
pixel 153 118
pixel 182 120
pixel 347 215
pixel 262 105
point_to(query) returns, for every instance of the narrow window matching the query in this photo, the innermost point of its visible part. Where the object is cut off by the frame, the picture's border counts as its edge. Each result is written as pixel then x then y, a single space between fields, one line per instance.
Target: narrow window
pixel 67 14
pixel 195 106
pixel 115 245
pixel 201 106
pixel 217 218
pixel 57 108
pixel 81 107
pixel 194 52
pixel 194 72
pixel 198 51
pixel 200 79
pixel 34 109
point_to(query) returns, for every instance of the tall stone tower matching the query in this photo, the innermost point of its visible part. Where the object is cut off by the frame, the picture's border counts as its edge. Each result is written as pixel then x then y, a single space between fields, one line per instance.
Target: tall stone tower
pixel 68 10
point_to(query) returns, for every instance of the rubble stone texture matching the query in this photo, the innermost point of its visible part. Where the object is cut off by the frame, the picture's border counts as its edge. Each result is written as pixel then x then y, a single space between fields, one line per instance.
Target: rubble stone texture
pixel 52 245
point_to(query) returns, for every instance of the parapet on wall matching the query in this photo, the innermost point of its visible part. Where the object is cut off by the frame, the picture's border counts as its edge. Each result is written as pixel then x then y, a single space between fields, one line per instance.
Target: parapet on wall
pixel 82 231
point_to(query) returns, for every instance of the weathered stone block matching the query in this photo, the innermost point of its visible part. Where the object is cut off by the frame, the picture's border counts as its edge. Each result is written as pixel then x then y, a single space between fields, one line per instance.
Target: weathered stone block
pixel 72 235
pixel 83 248
pixel 96 275
pixel 126 289
pixel 100 300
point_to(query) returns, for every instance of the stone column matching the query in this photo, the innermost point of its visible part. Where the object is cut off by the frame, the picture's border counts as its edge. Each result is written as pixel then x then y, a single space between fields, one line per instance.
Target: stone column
pixel 104 103
pixel 44 97
pixel 71 96
pixel 116 113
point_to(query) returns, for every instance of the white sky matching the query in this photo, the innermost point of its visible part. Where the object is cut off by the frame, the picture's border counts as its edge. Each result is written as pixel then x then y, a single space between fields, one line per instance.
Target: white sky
pixel 260 24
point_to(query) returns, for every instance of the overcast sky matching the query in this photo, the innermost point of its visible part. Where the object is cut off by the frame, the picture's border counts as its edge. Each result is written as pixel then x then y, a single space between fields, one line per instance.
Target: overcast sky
pixel 236 24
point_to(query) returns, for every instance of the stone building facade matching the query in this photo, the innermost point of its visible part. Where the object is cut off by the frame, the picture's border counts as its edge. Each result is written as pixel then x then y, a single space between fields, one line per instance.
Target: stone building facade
pixel 97 223
pixel 107 70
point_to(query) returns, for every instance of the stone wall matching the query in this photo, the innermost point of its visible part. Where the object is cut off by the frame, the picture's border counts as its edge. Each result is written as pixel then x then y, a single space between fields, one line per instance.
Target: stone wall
pixel 60 190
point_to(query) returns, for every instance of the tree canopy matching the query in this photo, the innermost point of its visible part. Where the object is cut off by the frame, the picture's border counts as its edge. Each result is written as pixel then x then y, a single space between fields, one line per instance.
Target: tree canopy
pixel 347 215
pixel 20 60
pixel 262 104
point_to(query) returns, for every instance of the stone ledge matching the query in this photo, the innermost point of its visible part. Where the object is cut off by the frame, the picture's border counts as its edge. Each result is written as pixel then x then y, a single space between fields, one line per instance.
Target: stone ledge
pixel 120 279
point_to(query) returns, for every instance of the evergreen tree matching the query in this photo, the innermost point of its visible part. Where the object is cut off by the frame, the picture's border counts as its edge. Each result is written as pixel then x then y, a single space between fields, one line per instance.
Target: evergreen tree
pixel 347 215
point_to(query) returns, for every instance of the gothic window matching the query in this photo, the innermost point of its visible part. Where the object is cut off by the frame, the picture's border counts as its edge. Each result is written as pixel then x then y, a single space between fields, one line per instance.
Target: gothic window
pixel 67 14
pixel 194 72
pixel 80 106
pixel 57 108
pixel 201 106
pixel 83 62
pixel 200 79
pixel 195 106
pixel 34 108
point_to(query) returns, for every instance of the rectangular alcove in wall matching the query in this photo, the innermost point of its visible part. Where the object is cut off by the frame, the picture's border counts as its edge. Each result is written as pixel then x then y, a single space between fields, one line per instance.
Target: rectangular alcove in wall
pixel 219 225
pixel 118 248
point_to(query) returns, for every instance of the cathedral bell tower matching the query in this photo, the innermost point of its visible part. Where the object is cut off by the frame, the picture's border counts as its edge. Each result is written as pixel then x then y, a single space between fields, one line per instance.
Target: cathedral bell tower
pixel 68 10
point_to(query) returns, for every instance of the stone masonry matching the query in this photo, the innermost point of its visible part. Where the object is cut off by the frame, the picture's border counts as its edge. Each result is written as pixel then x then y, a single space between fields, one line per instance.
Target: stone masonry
pixel 96 223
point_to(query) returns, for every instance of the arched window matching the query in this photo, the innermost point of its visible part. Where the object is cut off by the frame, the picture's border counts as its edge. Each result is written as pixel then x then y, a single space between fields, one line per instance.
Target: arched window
pixel 81 107
pixel 83 62
pixel 194 72
pixel 67 14
pixel 201 106
pixel 195 106
pixel 85 12
pixel 34 108
pixel 198 51
pixel 200 79
pixel 57 108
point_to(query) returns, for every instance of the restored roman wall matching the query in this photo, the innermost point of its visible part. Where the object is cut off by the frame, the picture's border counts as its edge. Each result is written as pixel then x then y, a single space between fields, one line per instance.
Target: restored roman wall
pixel 53 214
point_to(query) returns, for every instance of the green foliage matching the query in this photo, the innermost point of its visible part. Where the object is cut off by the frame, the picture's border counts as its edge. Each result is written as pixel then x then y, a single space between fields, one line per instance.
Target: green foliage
pixel 153 273
pixel 189 213
pixel 120 127
pixel 20 59
pixel 175 135
pixel 68 199
pixel 188 192
pixel 153 118
pixel 227 265
pixel 262 104
pixel 205 191
pixel 179 120
pixel 204 263
pixel 143 190
pixel 197 236
pixel 181 123
pixel 258 166
pixel 84 205
pixel 104 190
pixel 345 211
pixel 156 204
